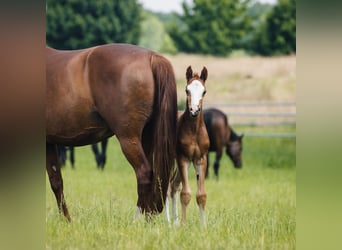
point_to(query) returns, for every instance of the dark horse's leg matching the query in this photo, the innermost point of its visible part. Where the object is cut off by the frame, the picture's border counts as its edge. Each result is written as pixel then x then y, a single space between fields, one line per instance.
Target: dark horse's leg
pixel 96 152
pixel 207 170
pixel 72 156
pixel 53 168
pixel 217 162
pixel 62 154
pixel 103 152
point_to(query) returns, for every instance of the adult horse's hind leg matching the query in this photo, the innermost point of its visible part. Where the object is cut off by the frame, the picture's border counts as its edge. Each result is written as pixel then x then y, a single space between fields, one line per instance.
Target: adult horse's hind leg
pixel 53 168
pixel 133 151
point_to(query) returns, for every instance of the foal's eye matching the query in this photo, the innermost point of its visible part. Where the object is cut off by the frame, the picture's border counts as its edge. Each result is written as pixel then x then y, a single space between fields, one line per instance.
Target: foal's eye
pixel 205 91
pixel 187 92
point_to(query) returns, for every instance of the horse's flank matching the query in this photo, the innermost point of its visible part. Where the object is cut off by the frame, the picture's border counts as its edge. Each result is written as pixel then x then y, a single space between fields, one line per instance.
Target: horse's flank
pixel 79 84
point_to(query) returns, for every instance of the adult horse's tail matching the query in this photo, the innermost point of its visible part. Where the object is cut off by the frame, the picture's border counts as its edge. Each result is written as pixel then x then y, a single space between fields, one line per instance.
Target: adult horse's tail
pixel 163 129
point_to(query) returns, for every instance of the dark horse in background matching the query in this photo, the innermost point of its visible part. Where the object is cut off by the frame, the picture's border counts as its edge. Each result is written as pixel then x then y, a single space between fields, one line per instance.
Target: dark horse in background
pixel 63 155
pixel 99 153
pixel 222 135
pixel 112 89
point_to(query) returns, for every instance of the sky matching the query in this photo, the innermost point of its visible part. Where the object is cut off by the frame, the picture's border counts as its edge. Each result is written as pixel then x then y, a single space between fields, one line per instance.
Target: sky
pixel 174 5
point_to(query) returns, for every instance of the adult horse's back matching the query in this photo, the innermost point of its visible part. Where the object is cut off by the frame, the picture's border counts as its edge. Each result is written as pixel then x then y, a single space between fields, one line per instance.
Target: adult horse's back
pixel 118 89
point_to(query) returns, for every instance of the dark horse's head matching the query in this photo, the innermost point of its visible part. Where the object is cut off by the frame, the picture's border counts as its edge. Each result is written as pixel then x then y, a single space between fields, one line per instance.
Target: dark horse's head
pixel 234 150
pixel 195 90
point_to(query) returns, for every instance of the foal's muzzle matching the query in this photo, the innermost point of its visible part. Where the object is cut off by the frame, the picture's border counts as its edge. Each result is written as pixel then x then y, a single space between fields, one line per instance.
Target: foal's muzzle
pixel 195 113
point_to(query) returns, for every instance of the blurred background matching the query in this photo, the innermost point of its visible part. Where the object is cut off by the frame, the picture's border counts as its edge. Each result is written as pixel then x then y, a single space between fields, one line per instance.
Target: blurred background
pixel 249 48
pixel 220 28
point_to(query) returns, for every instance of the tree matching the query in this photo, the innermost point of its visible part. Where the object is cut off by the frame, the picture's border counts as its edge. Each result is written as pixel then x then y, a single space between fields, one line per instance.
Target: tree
pixel 277 35
pixel 75 24
pixel 154 35
pixel 212 27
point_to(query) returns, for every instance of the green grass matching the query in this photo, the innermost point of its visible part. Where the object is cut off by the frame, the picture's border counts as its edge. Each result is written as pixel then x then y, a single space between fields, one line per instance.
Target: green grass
pixel 250 208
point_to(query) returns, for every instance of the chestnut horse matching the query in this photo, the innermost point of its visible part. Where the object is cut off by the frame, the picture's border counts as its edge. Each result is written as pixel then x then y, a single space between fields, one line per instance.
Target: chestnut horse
pixel 221 135
pixel 121 89
pixel 192 146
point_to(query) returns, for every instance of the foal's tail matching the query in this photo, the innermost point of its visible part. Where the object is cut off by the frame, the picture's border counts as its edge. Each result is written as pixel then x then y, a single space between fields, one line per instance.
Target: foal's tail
pixel 165 124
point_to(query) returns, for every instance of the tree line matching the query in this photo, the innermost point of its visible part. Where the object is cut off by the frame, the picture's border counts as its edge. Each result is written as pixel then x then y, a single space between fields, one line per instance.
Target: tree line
pixel 205 27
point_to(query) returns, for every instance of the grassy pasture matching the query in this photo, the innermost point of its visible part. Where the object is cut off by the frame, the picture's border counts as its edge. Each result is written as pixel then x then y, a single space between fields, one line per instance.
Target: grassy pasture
pixel 250 208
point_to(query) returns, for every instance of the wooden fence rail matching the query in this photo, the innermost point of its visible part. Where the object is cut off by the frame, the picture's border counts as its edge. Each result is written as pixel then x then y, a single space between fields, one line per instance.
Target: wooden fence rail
pixel 259 114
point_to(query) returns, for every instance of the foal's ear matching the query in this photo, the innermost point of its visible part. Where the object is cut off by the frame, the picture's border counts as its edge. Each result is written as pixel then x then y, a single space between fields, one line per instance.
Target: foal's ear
pixel 188 73
pixel 204 74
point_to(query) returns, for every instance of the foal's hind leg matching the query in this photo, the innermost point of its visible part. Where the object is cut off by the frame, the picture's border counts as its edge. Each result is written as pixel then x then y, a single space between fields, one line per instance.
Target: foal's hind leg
pixel 173 191
pixel 53 168
pixel 201 195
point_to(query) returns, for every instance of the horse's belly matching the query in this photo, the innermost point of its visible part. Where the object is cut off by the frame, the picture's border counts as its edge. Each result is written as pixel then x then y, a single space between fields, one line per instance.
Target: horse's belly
pixel 76 131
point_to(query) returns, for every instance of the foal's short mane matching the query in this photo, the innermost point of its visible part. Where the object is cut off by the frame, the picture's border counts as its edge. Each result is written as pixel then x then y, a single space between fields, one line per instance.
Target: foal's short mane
pixel 194 77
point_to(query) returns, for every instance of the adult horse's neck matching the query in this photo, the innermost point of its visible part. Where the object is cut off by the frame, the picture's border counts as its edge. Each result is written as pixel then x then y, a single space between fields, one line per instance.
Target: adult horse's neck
pixel 233 135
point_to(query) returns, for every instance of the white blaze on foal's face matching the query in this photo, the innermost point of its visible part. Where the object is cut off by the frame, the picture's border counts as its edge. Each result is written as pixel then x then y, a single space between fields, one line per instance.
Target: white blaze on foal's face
pixel 195 90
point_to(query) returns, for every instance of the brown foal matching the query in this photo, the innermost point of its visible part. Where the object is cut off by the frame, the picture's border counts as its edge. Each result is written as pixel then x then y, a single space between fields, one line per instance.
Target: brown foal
pixel 192 146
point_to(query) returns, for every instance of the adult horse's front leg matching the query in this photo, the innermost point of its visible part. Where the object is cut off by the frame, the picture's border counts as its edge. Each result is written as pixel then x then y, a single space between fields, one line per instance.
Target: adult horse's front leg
pixel 201 195
pixel 132 149
pixel 53 168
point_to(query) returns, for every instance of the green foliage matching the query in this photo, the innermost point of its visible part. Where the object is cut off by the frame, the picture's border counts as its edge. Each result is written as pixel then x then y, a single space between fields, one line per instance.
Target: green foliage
pixel 277 35
pixel 212 27
pixel 181 104
pixel 154 35
pixel 75 24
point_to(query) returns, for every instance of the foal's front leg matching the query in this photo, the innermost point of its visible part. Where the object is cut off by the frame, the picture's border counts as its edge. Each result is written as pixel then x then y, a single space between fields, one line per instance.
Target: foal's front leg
pixel 185 195
pixel 201 195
